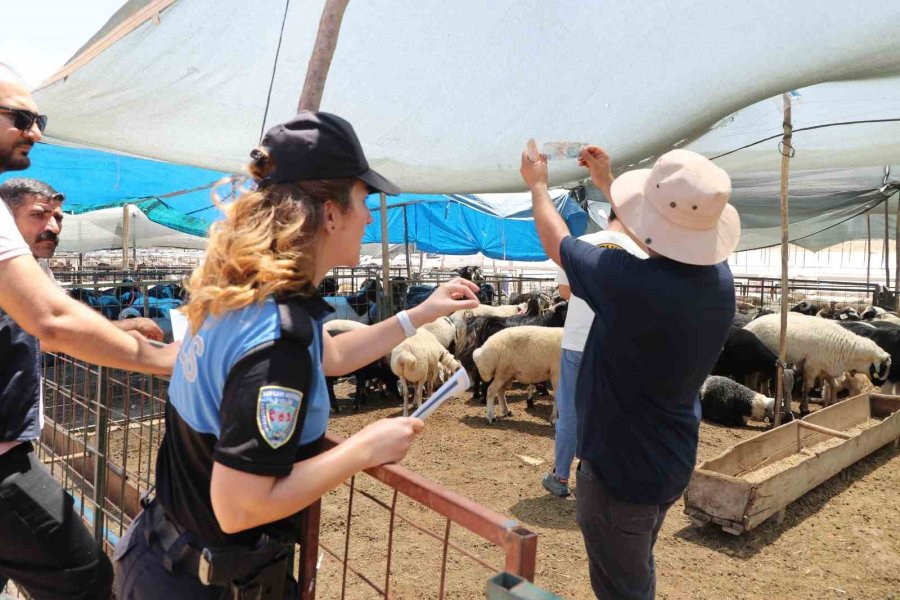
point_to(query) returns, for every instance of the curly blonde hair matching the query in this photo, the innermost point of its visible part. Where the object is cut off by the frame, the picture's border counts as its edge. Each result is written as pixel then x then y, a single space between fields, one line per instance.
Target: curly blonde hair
pixel 265 245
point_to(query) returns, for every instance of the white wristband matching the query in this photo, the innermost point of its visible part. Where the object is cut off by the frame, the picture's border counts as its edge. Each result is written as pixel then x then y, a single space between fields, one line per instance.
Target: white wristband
pixel 406 323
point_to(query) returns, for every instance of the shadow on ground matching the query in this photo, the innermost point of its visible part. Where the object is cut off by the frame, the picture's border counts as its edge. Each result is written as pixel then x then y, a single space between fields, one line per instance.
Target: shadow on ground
pixel 546 511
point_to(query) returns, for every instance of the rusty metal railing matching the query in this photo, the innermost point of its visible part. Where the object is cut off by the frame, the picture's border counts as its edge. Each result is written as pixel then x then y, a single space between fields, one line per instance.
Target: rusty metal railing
pixel 517 544
pixel 101 433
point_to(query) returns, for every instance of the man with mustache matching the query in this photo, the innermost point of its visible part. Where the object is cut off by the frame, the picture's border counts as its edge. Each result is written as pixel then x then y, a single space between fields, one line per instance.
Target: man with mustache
pixel 44 547
pixel 37 210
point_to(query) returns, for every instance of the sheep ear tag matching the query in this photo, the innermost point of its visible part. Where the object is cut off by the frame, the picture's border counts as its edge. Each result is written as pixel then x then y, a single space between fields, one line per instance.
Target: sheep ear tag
pixel 277 410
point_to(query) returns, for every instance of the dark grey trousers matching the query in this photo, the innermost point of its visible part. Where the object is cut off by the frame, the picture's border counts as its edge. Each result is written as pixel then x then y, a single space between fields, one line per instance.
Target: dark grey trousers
pixel 44 546
pixel 619 538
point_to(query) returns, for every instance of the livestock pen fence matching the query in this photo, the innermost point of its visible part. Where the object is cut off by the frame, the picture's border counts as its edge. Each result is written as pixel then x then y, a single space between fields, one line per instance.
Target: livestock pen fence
pixel 760 292
pixel 765 292
pixel 503 285
pixel 385 533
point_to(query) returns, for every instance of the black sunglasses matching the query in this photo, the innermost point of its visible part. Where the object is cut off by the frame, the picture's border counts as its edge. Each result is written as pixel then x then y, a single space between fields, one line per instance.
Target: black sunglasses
pixel 24 119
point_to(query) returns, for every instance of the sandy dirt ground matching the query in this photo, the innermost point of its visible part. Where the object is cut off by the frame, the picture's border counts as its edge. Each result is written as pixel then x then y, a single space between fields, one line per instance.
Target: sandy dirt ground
pixel 841 540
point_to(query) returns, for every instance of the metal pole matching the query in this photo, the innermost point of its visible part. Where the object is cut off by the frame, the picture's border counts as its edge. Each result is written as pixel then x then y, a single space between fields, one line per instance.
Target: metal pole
pixel 323 51
pixel 869 251
pixel 887 255
pixel 786 153
pixel 387 310
pixel 126 231
pixel 406 243
pixel 309 550
pixel 100 456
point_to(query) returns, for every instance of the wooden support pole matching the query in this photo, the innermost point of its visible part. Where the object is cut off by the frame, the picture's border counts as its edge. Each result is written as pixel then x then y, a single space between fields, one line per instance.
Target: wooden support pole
pixel 896 254
pixel 786 153
pixel 323 51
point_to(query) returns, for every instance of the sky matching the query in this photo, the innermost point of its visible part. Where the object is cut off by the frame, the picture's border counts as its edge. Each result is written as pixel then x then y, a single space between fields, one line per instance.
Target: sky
pixel 38 36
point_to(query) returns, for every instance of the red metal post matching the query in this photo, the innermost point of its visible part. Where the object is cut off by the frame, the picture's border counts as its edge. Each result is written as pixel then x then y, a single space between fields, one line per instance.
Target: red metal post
pixel 309 550
pixel 521 552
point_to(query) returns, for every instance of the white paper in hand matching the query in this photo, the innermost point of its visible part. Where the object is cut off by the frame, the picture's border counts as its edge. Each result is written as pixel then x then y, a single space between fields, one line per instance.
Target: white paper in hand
pixel 179 324
pixel 453 386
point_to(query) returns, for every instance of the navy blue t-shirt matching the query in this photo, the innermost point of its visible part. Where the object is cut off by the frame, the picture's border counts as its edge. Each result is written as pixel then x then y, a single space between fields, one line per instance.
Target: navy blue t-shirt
pixel 659 328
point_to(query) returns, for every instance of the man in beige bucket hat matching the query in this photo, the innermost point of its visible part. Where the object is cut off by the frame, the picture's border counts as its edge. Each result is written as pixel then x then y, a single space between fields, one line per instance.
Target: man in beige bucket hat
pixel 659 326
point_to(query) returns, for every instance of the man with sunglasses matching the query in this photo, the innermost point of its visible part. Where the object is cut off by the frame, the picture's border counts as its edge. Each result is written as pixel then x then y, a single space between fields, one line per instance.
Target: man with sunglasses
pixel 44 548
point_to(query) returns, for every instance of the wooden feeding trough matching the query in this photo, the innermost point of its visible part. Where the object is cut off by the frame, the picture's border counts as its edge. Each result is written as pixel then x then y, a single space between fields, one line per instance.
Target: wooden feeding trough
pixel 758 478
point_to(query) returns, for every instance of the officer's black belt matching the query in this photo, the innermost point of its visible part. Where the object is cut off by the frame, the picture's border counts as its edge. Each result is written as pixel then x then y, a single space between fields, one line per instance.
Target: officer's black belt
pixel 265 564
pixel 179 545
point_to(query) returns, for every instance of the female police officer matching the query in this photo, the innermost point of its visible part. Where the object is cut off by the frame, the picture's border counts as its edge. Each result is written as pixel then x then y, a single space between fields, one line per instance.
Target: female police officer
pixel 248 404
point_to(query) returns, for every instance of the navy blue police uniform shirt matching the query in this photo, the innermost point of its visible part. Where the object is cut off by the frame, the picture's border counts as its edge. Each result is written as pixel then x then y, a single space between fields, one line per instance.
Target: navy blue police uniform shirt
pixel 660 327
pixel 247 391
pixel 21 416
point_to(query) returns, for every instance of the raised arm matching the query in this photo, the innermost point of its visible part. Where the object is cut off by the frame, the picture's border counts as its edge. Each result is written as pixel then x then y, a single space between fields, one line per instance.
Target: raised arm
pixel 359 347
pixel 61 323
pixel 597 162
pixel 550 226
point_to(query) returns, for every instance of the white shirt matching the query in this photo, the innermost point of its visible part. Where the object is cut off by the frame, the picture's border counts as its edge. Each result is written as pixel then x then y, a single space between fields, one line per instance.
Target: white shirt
pixel 11 242
pixel 45 267
pixel 580 316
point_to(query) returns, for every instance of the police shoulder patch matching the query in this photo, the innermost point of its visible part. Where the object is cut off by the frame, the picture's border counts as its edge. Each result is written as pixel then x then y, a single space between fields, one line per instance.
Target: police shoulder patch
pixel 277 412
pixel 609 245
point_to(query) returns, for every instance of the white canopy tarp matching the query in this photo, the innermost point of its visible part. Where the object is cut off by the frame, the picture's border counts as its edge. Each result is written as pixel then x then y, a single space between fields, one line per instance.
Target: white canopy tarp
pixel 838 124
pixel 445 94
pixel 102 230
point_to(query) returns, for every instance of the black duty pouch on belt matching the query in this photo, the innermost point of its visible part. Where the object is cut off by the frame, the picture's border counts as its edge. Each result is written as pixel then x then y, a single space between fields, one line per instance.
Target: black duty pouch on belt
pixel 251 573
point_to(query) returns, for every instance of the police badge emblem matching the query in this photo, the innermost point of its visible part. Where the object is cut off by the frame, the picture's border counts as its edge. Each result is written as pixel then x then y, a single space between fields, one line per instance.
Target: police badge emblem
pixel 277 410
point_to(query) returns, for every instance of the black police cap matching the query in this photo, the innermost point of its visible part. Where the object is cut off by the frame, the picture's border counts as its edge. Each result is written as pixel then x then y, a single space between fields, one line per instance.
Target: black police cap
pixel 319 145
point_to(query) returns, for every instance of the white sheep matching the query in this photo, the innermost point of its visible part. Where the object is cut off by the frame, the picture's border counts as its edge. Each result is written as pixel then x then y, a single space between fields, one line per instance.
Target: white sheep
pixel 824 349
pixel 444 329
pixel 527 354
pixel 855 385
pixel 420 360
pixel 486 310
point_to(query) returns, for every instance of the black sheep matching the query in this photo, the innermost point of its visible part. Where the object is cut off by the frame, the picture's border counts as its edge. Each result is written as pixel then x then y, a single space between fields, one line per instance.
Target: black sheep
pixel 729 403
pixel 805 308
pixel 744 358
pixel 379 370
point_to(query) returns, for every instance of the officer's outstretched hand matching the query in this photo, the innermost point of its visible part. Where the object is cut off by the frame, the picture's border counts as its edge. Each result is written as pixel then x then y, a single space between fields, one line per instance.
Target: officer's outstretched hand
pixel 456 294
pixel 387 440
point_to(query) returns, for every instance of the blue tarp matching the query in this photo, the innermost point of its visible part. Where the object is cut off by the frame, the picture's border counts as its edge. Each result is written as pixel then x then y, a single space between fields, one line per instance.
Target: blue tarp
pixel 497 225
pixel 91 180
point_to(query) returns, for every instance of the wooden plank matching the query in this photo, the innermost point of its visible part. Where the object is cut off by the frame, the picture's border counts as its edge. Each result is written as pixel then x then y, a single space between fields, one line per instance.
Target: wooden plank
pixel 119 491
pixel 843 415
pixel 783 488
pixel 882 405
pixel 149 12
pixel 718 496
pixel 750 453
